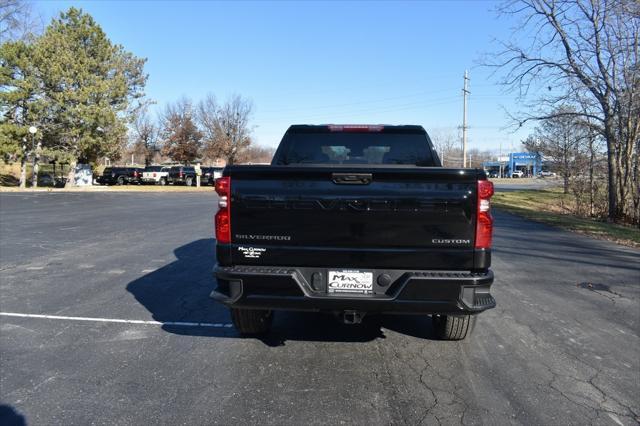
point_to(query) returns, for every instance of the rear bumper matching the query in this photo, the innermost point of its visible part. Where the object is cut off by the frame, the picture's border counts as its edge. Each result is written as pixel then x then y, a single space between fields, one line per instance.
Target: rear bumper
pixel 107 180
pixel 417 292
pixel 175 180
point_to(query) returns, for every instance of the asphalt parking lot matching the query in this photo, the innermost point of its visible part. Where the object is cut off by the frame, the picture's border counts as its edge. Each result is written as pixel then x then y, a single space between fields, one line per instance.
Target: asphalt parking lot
pixel 562 347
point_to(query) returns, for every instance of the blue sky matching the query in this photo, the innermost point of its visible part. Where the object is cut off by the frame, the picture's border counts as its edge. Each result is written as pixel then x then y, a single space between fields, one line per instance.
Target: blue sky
pixel 320 62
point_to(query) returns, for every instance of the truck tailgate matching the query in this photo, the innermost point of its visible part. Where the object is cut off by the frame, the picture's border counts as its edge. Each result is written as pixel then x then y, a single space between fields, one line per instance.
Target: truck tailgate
pixel 351 216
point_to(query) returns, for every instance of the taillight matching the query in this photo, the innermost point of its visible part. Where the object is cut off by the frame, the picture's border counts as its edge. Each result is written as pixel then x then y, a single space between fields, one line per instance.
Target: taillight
pixel 135 173
pixel 223 216
pixel 180 173
pixel 484 224
pixel 154 175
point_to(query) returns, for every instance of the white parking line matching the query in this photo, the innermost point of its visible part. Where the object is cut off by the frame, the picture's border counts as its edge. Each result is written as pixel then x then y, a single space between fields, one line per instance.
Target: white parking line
pixel 116 320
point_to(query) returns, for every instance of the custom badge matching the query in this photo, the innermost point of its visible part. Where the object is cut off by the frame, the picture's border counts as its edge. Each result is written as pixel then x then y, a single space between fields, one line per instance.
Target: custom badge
pixel 251 252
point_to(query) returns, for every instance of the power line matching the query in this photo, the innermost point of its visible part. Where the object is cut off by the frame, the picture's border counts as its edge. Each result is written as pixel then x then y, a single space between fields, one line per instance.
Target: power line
pixel 333 115
pixel 319 107
pixel 350 88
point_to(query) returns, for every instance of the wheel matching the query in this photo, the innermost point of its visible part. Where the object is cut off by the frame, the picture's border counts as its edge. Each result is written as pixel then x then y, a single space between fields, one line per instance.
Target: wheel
pixel 163 182
pixel 188 181
pixel 120 180
pixel 251 321
pixel 453 327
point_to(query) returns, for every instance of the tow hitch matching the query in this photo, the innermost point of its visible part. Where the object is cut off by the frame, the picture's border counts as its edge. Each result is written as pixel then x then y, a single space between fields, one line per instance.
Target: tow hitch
pixel 352 317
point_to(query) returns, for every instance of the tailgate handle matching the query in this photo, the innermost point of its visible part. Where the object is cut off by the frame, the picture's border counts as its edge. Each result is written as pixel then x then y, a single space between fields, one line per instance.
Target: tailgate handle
pixel 352 178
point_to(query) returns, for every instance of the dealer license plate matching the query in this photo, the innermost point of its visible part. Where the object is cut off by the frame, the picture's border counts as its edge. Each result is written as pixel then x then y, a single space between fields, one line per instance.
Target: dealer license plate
pixel 350 282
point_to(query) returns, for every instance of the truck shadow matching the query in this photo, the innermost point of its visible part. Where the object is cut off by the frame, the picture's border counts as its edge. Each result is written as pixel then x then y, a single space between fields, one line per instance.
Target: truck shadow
pixel 179 292
pixel 9 416
pixel 325 327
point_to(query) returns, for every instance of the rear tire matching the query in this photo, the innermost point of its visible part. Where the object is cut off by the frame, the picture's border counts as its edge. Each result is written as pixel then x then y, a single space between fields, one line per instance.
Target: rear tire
pixel 120 181
pixel 163 182
pixel 188 181
pixel 251 321
pixel 453 327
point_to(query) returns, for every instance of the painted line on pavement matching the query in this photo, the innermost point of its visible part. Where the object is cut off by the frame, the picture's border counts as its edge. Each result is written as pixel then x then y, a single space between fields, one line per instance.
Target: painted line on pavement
pixel 116 320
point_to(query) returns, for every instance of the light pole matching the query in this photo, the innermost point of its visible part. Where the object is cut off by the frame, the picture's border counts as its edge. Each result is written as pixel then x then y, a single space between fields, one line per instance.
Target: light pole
pixel 23 164
pixel 34 176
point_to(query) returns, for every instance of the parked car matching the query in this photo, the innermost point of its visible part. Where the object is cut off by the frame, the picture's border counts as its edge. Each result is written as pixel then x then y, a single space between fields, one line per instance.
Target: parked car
pixel 46 179
pixel 210 174
pixel 182 175
pixel 217 172
pixel 120 175
pixel 156 175
pixel 207 176
pixel 354 219
pixel 517 174
pixel 546 173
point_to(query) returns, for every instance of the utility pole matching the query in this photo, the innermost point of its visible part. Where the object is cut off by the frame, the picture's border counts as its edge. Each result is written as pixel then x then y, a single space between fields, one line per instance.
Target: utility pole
pixel 465 92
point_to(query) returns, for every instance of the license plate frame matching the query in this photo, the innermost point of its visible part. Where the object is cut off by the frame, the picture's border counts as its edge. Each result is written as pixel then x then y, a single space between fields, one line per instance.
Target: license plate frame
pixel 349 281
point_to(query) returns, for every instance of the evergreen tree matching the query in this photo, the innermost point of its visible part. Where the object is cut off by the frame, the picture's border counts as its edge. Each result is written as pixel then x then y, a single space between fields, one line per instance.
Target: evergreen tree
pixel 90 86
pixel 77 87
pixel 21 89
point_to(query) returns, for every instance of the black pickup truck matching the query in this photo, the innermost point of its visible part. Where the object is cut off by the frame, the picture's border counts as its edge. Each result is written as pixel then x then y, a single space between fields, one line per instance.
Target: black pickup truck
pixel 183 175
pixel 354 219
pixel 120 176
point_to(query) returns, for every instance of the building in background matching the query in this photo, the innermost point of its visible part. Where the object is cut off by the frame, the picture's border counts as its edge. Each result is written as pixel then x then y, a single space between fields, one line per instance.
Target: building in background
pixel 529 163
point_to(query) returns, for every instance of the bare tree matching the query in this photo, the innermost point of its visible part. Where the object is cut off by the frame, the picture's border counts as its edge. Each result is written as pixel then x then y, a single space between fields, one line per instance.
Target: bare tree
pixel 593 149
pixel 476 158
pixel 581 52
pixel 448 147
pixel 560 139
pixel 145 136
pixel 226 127
pixel 256 154
pixel 17 20
pixel 180 136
